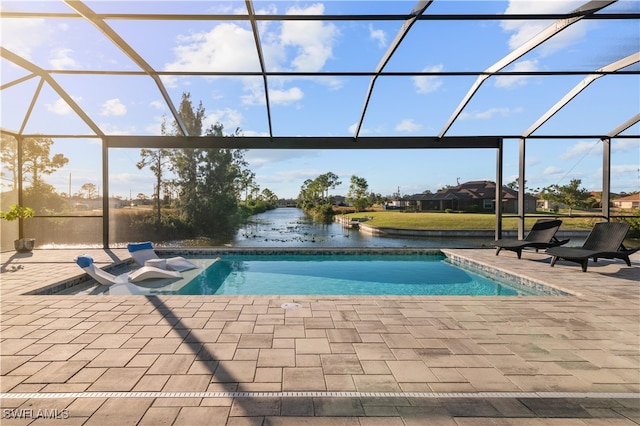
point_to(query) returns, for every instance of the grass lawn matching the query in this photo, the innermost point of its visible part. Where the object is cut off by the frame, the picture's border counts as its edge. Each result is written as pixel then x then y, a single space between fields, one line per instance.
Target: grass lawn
pixel 462 221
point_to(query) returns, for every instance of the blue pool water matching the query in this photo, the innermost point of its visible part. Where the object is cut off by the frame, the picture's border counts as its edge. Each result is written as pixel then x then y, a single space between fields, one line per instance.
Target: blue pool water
pixel 340 275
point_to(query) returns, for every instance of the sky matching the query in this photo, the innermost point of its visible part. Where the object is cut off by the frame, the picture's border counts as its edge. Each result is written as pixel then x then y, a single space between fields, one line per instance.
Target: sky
pixel 331 105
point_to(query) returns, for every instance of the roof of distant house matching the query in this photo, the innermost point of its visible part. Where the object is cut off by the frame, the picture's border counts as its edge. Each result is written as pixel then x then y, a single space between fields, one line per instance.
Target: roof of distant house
pixel 472 190
pixel 632 197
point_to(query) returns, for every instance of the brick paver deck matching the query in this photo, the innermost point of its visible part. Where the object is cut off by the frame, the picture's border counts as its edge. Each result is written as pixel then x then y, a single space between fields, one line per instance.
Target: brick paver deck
pixel 371 360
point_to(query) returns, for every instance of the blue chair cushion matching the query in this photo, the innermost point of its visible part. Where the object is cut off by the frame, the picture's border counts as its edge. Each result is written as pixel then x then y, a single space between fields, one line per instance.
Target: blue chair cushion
pixel 132 247
pixel 84 261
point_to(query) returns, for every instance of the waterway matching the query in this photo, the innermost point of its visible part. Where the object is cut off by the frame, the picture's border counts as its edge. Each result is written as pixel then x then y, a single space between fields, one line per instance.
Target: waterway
pixel 290 227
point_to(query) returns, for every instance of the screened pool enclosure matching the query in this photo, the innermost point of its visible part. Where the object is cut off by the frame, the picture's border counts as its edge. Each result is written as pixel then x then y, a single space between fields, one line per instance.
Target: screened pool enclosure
pixel 524 90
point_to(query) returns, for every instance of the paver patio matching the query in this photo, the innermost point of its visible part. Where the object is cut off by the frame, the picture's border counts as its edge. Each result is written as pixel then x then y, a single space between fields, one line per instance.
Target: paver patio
pixel 337 360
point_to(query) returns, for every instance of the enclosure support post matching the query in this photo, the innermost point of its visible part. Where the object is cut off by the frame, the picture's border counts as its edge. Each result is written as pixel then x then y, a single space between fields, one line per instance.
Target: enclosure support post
pixel 606 178
pixel 20 179
pixel 105 194
pixel 498 233
pixel 521 188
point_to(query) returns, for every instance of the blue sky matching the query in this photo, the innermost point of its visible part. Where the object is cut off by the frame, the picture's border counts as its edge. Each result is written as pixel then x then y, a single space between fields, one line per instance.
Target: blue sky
pixel 331 106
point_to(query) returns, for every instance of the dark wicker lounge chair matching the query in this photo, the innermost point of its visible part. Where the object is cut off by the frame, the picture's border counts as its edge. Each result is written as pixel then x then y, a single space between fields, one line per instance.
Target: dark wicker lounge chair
pixel 604 241
pixel 541 236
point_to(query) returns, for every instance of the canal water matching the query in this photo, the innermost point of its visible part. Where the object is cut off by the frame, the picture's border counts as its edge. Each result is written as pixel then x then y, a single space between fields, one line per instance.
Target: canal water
pixel 290 227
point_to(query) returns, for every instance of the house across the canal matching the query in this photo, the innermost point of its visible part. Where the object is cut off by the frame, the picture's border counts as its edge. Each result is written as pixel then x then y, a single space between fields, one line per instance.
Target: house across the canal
pixel 474 196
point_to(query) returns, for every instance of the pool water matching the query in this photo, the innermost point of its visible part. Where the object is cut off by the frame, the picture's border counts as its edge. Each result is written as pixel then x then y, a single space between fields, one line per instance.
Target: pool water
pixel 340 275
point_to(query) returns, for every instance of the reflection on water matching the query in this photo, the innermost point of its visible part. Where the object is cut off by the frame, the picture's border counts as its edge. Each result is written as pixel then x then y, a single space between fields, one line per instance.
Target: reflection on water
pixel 290 227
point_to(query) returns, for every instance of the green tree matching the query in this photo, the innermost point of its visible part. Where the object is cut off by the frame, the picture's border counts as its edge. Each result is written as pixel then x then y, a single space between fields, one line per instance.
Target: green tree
pixel 89 191
pixel 314 196
pixel 309 194
pixel 220 173
pixel 207 180
pixel 325 182
pixel 268 196
pixel 37 159
pixel 376 198
pixel 357 195
pixel 316 192
pixel 158 161
pixel 186 161
pixel 515 185
pixel 246 181
pixel 571 195
pixel 43 198
pixel 9 158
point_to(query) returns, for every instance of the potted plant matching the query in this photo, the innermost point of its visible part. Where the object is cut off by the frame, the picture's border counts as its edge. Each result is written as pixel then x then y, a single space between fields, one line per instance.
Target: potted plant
pixel 22 245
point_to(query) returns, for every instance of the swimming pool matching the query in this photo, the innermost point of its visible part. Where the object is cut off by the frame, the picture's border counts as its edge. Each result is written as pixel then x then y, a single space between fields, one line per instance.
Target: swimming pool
pixel 334 274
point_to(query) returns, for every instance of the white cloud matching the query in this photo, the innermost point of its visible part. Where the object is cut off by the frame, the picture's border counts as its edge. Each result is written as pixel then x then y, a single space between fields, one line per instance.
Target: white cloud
pixel 253 133
pixel 408 125
pixel 552 171
pixel 142 179
pixel 532 161
pixel 230 118
pixel 290 176
pixel 169 81
pixel 226 47
pixel 255 92
pixel 582 149
pixel 61 58
pixel 619 169
pixel 313 39
pixel 264 158
pixel 155 127
pixel 594 148
pixel 113 107
pixel 277 96
pixel 623 145
pixel 379 35
pixel 490 113
pixel 285 97
pixel 294 45
pixel 60 107
pixel 525 30
pixel 22 36
pixel 365 131
pixel 159 105
pixel 255 97
pixel 428 84
pixel 112 129
pixel 509 81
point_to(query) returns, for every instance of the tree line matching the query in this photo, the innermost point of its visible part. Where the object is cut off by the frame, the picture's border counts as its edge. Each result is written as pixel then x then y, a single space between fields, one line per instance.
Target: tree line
pixel 210 182
pixel 315 200
pixel 197 191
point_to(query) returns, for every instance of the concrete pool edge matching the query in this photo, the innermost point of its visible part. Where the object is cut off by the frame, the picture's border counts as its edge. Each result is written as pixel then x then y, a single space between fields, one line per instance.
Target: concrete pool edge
pixel 534 284
pixel 81 278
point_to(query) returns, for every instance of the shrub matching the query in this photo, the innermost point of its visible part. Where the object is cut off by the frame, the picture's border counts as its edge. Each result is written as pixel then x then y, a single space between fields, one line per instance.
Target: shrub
pixel 17 212
pixel 634 222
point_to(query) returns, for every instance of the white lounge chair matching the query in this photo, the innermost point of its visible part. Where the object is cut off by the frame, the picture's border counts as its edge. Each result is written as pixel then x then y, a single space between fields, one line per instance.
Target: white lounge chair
pixel 144 255
pixel 105 278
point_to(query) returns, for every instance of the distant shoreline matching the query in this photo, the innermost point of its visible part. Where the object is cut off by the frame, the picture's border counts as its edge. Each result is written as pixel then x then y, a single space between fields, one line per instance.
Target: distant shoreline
pixel 456 233
pixel 471 233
